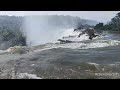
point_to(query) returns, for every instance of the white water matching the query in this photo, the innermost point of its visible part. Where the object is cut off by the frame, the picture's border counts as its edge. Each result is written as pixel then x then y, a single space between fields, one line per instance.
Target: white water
pixel 42 37
pixel 44 29
pixel 29 76
pixel 48 30
pixel 97 42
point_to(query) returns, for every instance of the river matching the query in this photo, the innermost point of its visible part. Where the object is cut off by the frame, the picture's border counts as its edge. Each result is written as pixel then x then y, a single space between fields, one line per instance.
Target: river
pixel 88 59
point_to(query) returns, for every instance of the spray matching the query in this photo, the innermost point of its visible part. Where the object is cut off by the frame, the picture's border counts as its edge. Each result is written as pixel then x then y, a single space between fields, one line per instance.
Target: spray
pixel 44 29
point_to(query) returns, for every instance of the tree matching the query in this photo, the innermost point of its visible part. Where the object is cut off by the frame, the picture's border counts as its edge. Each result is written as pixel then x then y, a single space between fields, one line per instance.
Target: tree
pixel 99 25
pixel 114 24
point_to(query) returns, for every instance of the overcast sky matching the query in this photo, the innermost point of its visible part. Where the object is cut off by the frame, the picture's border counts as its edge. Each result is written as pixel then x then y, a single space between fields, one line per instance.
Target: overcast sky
pixel 101 16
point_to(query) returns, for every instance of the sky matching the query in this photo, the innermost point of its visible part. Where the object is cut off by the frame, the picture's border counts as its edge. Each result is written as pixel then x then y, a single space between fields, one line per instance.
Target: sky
pixel 100 16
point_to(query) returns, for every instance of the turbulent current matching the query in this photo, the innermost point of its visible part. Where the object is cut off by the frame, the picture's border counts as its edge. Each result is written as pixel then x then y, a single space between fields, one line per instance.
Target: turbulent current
pixel 45 57
pixel 105 40
pixel 83 58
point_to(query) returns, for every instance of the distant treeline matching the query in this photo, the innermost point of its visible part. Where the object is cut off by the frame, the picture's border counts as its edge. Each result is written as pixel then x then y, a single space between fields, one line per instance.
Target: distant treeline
pixel 113 25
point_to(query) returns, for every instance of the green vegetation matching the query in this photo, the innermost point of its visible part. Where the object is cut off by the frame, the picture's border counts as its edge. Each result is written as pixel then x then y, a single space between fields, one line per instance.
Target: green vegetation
pixel 113 25
pixel 10 32
pixel 99 26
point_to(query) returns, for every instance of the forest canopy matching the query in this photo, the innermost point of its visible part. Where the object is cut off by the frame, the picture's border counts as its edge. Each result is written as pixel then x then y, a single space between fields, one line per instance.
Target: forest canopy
pixel 113 25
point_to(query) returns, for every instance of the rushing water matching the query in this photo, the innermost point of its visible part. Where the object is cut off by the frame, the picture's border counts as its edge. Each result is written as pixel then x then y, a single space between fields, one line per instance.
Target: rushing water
pixel 97 58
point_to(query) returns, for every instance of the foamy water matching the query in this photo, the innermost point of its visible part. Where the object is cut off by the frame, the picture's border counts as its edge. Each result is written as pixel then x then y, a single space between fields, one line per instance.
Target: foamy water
pixel 79 42
pixel 96 44
pixel 29 76
pixel 82 42
pixel 3 51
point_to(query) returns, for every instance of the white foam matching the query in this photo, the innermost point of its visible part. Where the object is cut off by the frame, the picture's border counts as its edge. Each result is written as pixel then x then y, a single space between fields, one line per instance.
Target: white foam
pixel 70 32
pixel 93 63
pixel 76 38
pixel 30 76
pixel 2 51
pixel 97 42
pixel 32 65
pixel 102 43
pixel 94 44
